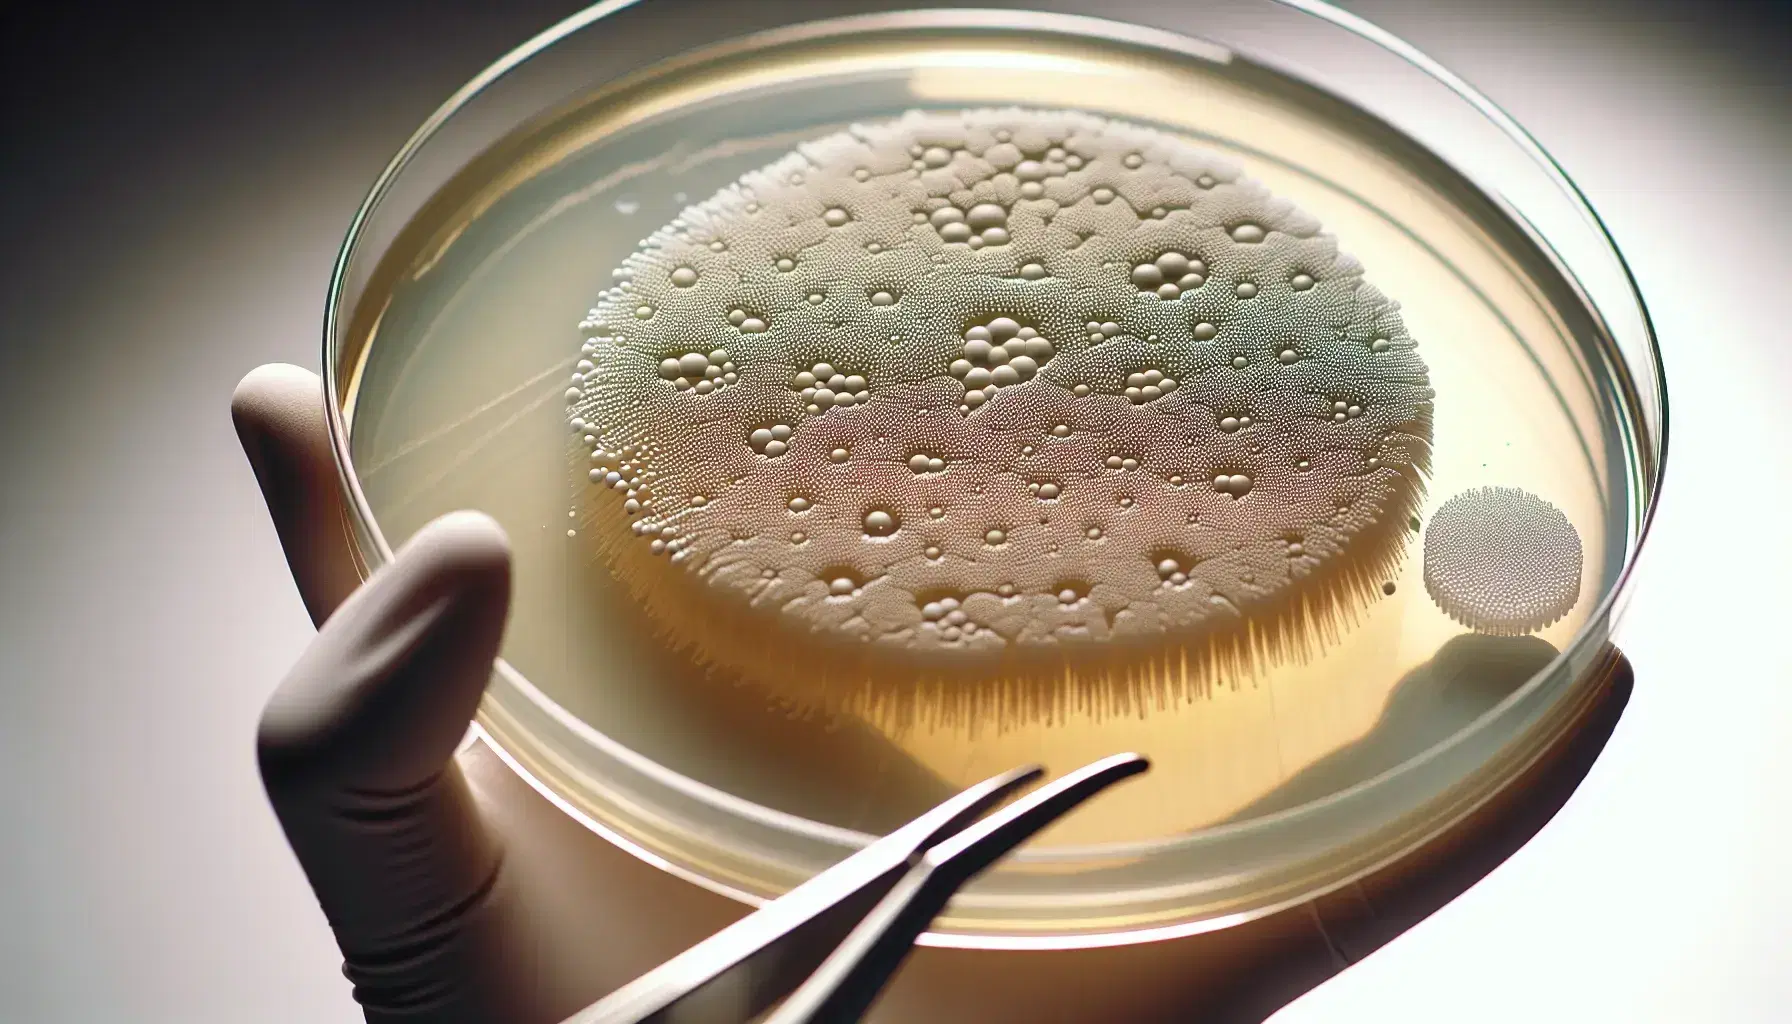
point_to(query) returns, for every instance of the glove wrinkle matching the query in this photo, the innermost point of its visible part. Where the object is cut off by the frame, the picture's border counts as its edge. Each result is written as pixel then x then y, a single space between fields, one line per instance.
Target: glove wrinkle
pixel 417 970
pixel 372 806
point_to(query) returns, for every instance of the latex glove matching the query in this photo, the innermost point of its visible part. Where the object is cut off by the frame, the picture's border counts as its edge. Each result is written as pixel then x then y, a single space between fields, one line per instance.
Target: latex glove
pixel 457 893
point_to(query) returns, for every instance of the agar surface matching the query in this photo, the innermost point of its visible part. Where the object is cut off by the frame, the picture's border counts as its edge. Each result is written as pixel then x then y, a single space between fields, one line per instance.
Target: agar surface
pixel 1501 560
pixel 997 409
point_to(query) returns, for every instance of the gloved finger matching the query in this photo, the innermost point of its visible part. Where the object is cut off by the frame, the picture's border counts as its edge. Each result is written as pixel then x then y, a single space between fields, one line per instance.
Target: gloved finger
pixel 279 414
pixel 356 751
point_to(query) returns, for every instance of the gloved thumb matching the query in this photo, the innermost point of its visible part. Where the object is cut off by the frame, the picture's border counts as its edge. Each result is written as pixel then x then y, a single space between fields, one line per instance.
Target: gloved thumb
pixel 279 414
pixel 356 750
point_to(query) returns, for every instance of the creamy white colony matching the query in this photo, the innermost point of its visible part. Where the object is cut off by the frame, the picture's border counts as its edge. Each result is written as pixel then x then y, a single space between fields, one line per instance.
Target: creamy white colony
pixel 996 398
pixel 1501 560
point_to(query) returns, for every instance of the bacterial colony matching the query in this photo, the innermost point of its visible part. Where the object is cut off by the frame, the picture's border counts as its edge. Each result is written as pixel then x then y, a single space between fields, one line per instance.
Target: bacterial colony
pixel 1016 410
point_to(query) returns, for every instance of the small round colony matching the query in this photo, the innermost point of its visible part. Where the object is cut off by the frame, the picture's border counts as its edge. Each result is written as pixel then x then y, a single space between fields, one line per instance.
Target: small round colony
pixel 1502 560
pixel 996 408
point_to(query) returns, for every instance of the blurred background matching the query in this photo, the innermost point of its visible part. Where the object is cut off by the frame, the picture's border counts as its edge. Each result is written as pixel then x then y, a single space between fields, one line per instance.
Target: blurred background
pixel 174 183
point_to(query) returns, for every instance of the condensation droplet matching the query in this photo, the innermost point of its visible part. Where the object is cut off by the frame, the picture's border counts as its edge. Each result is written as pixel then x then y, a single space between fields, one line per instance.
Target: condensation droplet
pixel 880 523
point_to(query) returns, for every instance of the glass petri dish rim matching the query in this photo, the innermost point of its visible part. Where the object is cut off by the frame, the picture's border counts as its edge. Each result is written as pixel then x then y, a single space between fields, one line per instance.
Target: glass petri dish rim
pixel 364 533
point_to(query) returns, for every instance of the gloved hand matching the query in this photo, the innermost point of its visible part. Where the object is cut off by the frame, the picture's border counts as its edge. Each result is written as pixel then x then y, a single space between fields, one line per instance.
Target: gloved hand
pixel 457 893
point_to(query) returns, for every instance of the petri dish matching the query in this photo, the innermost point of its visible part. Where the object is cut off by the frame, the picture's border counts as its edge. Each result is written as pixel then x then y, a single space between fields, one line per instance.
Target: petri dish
pixel 479 291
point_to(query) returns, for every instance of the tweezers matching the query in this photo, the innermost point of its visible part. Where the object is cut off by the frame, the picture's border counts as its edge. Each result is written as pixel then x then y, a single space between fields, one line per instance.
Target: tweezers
pixel 828 947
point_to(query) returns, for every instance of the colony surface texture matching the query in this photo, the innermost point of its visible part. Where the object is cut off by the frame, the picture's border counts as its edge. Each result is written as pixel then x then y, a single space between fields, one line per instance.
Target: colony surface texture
pixel 996 405
pixel 1501 560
